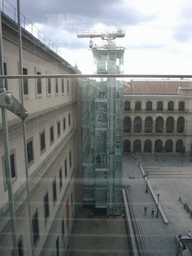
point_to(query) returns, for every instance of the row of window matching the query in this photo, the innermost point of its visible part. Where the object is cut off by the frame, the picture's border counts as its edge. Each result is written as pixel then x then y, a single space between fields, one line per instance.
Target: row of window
pixel 170 107
pixel 49 85
pixel 30 153
pixel 158 147
pixel 59 82
pixel 35 227
pixel 30 149
pixel 148 126
pixel 35 219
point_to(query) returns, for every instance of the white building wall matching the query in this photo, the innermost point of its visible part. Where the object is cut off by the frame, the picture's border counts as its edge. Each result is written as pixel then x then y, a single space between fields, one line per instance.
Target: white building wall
pixel 45 111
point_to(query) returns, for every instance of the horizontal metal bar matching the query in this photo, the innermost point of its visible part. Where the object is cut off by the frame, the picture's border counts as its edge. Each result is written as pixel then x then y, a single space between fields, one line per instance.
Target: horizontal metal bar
pixel 94 76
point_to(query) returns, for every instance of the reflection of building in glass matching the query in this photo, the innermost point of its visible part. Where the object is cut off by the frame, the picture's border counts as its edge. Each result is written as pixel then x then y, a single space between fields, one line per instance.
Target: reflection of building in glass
pixel 157 116
pixel 102 125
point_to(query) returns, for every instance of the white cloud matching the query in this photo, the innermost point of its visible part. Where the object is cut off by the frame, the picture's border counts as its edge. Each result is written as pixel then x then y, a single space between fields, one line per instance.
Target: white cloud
pixel 158 32
pixel 82 57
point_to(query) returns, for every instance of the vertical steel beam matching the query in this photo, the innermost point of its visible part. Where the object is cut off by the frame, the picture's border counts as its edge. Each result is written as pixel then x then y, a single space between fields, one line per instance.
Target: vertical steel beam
pixel 6 149
pixel 24 129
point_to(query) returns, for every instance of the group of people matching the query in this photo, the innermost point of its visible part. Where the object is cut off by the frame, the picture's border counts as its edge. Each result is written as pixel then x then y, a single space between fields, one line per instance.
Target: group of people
pixel 186 207
pixel 152 211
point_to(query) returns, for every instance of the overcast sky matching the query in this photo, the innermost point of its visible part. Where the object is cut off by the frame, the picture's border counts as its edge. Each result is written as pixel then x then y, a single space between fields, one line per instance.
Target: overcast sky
pixel 158 36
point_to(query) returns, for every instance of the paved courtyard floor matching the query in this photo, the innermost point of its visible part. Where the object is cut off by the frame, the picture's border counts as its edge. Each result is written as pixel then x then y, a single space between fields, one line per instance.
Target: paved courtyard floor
pixel 98 236
pixel 171 178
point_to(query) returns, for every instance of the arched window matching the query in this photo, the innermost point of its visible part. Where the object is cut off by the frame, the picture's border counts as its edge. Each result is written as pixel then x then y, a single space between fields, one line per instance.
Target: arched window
pixel 159 105
pixel 170 105
pixel 148 105
pixel 179 145
pixel 158 146
pixel 138 105
pixel 127 124
pixel 147 146
pixel 181 106
pixel 170 124
pixel 148 124
pixel 180 124
pixel 137 124
pixel 169 146
pixel 159 124
pixel 126 146
pixel 127 105
pixel 137 146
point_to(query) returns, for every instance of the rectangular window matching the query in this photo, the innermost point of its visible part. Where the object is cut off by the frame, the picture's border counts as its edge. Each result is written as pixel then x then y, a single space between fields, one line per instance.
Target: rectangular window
pixel 71 200
pixel 62 85
pixel 57 246
pixel 42 141
pixel 63 227
pixel 49 86
pixel 35 224
pixel 60 178
pixel 39 89
pixel 30 155
pixel 25 82
pixel 46 205
pixel 5 73
pixel 69 119
pixel 65 168
pixel 58 129
pixel 70 162
pixel 64 124
pixel 20 248
pixel 51 134
pixel 12 168
pixel 54 190
pixel 68 86
pixel 12 163
pixel 67 212
pixel 56 85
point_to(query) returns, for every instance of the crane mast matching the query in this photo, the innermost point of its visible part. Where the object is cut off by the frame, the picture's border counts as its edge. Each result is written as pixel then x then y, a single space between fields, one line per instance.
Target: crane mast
pixel 102 175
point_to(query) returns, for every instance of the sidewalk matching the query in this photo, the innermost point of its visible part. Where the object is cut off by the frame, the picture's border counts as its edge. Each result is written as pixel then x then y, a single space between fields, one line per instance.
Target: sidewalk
pixel 171 180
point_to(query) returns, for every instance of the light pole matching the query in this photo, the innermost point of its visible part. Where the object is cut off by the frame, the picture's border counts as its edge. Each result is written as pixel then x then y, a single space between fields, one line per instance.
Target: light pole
pixel 146 190
pixel 158 195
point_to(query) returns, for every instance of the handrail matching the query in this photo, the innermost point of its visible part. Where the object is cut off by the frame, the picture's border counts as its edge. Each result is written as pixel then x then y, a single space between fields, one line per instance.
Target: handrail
pixel 154 196
pixel 132 240
pixel 9 10
pixel 95 76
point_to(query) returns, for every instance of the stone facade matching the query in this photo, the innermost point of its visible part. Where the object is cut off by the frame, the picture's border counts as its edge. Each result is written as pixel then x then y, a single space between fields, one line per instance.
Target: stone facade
pixel 157 117
pixel 53 148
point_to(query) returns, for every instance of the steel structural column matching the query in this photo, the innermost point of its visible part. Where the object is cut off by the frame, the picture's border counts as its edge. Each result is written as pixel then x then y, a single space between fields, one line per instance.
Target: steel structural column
pixel 6 149
pixel 24 128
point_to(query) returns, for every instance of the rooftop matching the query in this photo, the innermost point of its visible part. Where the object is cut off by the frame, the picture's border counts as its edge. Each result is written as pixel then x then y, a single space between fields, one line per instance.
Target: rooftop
pixel 155 87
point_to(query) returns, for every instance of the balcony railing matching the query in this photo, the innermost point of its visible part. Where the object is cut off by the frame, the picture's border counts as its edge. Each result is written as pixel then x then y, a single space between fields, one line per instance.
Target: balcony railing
pixel 11 12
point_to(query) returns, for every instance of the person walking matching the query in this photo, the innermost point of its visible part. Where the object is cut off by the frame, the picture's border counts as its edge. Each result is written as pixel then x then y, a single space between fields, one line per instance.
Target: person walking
pixel 145 210
pixel 152 212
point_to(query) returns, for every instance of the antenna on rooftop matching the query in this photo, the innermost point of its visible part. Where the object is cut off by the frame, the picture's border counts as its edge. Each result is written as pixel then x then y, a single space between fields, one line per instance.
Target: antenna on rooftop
pixel 106 35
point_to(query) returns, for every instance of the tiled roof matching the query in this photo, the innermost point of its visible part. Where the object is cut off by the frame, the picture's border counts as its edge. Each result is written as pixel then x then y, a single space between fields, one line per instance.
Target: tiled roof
pixel 155 87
